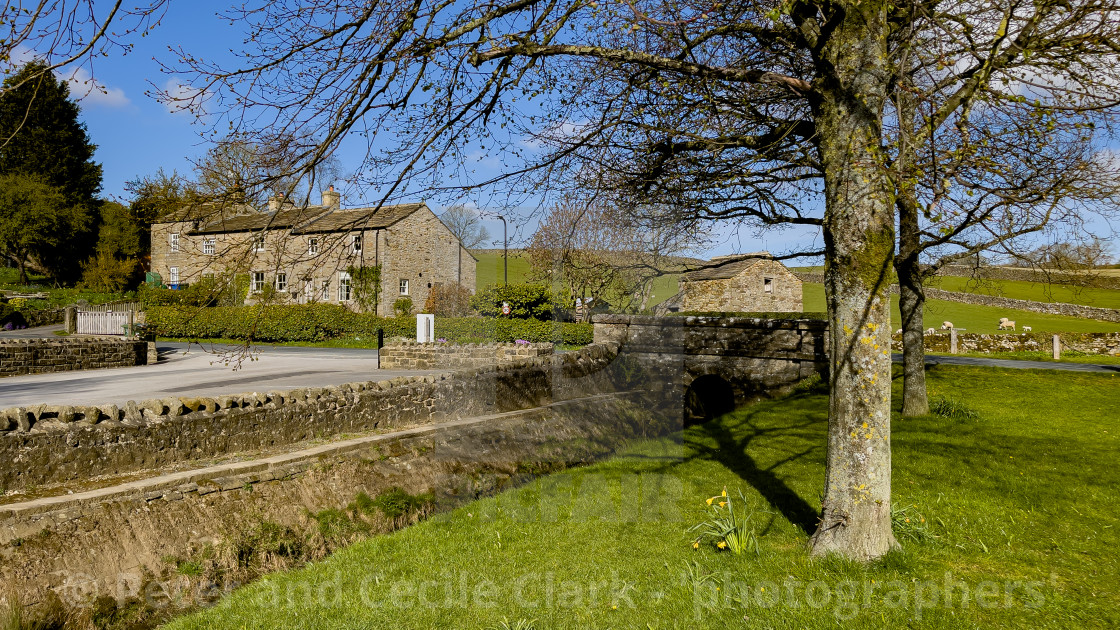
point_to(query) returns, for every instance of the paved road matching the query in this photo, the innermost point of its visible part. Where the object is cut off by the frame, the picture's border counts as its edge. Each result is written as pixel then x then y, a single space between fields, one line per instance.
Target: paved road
pixel 199 371
pixel 935 359
pixel 32 333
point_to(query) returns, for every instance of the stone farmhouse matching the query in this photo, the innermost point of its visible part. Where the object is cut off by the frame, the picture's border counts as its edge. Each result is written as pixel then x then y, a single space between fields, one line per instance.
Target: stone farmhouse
pixel 741 283
pixel 307 253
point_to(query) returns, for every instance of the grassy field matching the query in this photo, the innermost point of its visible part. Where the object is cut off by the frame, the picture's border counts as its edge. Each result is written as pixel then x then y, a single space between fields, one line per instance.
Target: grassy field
pixel 1039 292
pixel 1006 519
pixel 973 318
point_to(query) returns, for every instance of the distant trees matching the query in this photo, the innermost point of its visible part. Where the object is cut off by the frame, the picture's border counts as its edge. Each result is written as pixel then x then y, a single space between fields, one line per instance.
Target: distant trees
pixel 45 142
pixel 32 214
pixel 587 248
pixel 466 224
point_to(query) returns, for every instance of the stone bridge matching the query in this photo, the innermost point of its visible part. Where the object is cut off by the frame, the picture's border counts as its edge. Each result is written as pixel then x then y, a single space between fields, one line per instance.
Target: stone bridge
pixel 710 365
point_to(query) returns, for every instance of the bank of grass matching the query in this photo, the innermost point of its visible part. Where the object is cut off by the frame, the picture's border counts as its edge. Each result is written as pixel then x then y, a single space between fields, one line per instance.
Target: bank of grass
pixel 972 317
pixel 1014 509
pixel 1067 357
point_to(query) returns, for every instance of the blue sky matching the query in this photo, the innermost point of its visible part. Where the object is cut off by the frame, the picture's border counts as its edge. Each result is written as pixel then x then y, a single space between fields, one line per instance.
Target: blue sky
pixel 136 135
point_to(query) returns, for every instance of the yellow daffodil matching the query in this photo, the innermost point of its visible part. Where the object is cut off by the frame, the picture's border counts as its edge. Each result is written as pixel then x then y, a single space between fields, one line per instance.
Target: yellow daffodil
pixel 724 493
pixel 723 503
pixel 710 500
pixel 721 544
pixel 696 545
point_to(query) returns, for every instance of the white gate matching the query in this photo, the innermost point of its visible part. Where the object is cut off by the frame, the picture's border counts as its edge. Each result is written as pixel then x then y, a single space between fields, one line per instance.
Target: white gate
pixel 103 322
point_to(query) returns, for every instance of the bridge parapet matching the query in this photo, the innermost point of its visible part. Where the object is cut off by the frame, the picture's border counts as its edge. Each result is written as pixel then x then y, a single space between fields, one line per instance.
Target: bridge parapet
pixel 732 359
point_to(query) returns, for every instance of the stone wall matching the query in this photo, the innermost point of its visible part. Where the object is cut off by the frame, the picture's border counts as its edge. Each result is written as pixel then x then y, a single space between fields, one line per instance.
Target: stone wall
pixel 438 356
pixel 1089 343
pixel 47 444
pixel 38 356
pixel 1049 308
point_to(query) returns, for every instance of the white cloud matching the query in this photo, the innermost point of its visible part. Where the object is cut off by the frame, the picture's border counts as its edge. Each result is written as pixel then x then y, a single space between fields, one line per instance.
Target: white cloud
pixel 178 98
pixel 87 89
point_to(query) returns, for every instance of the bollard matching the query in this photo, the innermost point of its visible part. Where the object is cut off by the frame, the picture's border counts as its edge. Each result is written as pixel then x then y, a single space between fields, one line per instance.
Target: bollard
pixel 380 338
pixel 1057 347
pixel 952 341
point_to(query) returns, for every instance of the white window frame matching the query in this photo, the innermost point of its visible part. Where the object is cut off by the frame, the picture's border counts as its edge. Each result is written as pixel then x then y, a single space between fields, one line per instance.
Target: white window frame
pixel 208 246
pixel 404 286
pixel 173 240
pixel 256 284
pixel 767 285
pixel 281 281
pixel 344 288
pixel 356 244
pixel 173 275
pixel 326 290
pixel 258 243
pixel 312 245
pixel 308 290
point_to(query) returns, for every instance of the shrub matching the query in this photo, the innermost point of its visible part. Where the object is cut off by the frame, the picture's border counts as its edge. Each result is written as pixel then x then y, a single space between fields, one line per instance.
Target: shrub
pixel 448 300
pixel 104 272
pixel 402 307
pixel 526 301
pixel 318 322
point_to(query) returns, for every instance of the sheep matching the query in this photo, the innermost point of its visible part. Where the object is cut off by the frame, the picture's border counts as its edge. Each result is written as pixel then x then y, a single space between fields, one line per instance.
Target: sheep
pixel 930 331
pixel 1006 323
pixel 1027 329
pixel 947 326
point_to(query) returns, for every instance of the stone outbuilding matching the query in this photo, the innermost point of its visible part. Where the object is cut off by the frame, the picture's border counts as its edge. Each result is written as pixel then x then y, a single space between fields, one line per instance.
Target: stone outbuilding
pixel 310 253
pixel 744 283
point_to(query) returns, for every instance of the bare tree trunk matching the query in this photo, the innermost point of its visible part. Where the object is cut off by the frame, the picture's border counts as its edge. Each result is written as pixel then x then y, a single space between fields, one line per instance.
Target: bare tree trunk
pixel 859 242
pixel 911 304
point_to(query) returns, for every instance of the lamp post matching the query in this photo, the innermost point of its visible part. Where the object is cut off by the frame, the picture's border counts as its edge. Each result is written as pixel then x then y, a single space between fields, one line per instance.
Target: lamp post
pixel 505 253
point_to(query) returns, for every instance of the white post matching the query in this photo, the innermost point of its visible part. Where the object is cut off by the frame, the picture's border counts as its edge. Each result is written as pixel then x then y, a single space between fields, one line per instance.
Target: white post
pixel 425 328
pixel 952 341
pixel 1057 347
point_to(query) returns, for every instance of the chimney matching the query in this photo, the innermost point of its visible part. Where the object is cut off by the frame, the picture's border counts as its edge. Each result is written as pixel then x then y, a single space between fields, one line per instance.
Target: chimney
pixel 332 199
pixel 274 203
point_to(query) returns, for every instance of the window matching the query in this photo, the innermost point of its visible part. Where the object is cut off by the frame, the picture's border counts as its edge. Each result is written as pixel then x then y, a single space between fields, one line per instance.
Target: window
pixel 356 244
pixel 258 282
pixel 313 245
pixel 767 285
pixel 174 240
pixel 208 246
pixel 404 286
pixel 281 281
pixel 343 286
pixel 173 277
pixel 326 293
pixel 258 244
pixel 308 290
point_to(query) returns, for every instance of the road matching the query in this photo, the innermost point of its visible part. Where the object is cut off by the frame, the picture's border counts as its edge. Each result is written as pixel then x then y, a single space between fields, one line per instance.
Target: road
pixel 191 370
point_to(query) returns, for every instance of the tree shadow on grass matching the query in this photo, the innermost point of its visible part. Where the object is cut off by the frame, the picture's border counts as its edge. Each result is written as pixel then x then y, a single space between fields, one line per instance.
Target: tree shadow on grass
pixel 728 439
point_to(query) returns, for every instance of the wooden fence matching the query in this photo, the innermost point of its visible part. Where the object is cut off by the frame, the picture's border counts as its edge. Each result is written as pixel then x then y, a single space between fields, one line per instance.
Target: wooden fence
pixel 104 322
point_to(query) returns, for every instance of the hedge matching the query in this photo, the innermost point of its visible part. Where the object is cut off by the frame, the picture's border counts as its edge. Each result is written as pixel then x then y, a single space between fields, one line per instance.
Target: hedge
pixel 318 322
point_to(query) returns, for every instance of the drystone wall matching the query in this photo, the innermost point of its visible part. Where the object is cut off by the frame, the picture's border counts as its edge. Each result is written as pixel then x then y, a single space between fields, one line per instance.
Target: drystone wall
pixel 1089 343
pixel 50 444
pixel 1049 308
pixel 438 356
pixel 37 356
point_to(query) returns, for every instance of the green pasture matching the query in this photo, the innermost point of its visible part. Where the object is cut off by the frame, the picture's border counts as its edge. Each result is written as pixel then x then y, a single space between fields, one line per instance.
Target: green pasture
pixel 973 318
pixel 1004 507
pixel 1037 291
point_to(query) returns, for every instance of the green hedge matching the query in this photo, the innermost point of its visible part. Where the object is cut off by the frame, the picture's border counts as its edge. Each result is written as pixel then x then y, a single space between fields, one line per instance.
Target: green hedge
pixel 318 322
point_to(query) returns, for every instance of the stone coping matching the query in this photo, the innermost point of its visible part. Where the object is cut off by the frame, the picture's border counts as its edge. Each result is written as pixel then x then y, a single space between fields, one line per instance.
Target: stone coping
pixel 677 321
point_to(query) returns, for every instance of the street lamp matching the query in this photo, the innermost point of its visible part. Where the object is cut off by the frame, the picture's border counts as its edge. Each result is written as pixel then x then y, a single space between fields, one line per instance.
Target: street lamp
pixel 505 253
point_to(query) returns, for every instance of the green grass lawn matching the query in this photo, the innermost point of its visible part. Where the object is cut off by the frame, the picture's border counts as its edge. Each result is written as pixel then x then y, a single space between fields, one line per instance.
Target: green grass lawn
pixel 973 318
pixel 1012 524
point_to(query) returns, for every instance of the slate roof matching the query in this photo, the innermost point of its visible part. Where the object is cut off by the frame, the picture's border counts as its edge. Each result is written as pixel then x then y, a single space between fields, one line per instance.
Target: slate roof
pixel 359 219
pixel 726 270
pixel 284 218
